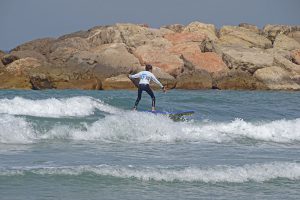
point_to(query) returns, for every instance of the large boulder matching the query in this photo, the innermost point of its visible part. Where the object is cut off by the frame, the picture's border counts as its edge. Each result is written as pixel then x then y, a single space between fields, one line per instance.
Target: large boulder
pixel 207 29
pixel 61 56
pixel 194 59
pixel 271 31
pixel 1 65
pixel 82 84
pixel 61 51
pixel 276 78
pixel 296 56
pixel 198 79
pixel 243 37
pixel 2 53
pixel 286 64
pixel 22 66
pixel 161 58
pixel 40 45
pixel 208 61
pixel 75 77
pixel 131 34
pixel 177 28
pixel 246 59
pixel 8 58
pixel 284 42
pixel 70 42
pixel 41 82
pixel 185 37
pixel 118 82
pixel 29 53
pixel 117 57
pixel 236 80
pixel 10 81
pixel 295 35
pixel 250 27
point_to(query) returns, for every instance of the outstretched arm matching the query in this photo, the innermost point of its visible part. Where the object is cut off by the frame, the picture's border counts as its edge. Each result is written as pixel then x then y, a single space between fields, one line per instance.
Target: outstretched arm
pixel 157 82
pixel 134 75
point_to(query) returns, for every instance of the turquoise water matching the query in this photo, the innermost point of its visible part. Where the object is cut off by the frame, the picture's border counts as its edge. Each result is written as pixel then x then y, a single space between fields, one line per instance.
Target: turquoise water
pixel 89 145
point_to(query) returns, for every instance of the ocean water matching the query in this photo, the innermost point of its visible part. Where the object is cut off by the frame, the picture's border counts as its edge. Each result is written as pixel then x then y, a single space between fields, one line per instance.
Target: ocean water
pixel 89 145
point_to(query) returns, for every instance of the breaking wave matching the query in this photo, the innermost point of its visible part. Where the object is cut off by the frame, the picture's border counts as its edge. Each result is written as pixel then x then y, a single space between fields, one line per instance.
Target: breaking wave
pixel 232 174
pixel 53 107
pixel 135 127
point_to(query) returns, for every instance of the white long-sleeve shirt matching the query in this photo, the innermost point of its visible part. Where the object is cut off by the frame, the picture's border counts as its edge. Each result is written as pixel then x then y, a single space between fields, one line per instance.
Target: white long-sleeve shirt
pixel 145 78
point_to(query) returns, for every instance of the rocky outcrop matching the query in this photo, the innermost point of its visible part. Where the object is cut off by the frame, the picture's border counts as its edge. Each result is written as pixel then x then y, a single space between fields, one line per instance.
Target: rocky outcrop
pixel 41 82
pixel 185 37
pixel 276 78
pixel 29 53
pixel 194 56
pixel 286 43
pixel 232 35
pixel 198 79
pixel 208 61
pixel 237 80
pixel 161 58
pixel 271 31
pixel 286 64
pixel 250 27
pixel 296 56
pixel 295 35
pixel 2 53
pixel 118 82
pixel 9 81
pixel 209 30
pixel 8 58
pixel 22 66
pixel 246 59
pixel 177 28
pixel 40 45
pixel 116 56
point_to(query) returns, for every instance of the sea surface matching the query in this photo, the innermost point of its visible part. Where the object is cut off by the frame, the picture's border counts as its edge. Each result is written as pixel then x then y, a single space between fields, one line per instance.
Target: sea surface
pixel 89 145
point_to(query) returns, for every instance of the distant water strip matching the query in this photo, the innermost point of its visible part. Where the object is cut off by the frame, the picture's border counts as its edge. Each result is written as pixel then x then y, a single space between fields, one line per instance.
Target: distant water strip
pixel 231 174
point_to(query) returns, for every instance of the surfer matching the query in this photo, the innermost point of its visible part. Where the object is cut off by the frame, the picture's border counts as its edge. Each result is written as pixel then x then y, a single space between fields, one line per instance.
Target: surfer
pixel 145 78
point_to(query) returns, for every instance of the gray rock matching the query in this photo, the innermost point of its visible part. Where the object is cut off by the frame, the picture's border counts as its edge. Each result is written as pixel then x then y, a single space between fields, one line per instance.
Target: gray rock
pixel 236 80
pixel 276 78
pixel 199 79
pixel 286 43
pixel 246 59
pixel 233 35
pixel 8 58
pixel 39 45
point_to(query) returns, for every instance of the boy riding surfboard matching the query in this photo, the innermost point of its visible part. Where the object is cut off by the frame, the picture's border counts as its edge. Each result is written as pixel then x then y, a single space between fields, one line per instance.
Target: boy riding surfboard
pixel 145 78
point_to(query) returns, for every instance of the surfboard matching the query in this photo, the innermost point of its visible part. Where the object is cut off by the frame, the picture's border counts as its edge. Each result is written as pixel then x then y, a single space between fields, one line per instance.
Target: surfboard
pixel 170 113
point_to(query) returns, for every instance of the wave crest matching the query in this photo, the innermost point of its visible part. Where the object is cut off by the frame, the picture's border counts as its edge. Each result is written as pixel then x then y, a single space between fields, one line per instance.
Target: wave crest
pixel 53 107
pixel 135 127
pixel 232 174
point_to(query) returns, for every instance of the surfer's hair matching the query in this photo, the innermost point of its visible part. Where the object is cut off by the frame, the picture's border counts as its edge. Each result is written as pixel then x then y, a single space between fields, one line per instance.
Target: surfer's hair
pixel 148 67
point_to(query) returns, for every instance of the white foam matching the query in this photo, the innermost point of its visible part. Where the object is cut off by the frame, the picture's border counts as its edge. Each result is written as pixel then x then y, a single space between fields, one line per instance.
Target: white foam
pixel 232 174
pixel 282 131
pixel 135 127
pixel 66 107
pixel 140 127
pixel 15 130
